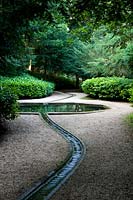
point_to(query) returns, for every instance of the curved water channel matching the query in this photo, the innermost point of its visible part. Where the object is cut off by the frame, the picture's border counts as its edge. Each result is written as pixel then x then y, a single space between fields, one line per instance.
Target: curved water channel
pixel 46 188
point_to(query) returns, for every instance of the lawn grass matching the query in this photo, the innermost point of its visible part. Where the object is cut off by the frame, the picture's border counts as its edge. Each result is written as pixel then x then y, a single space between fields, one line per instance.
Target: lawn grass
pixel 129 119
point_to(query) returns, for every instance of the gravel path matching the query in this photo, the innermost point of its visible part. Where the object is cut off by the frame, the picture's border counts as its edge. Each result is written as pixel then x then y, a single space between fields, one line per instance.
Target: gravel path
pixel 106 171
pixel 29 150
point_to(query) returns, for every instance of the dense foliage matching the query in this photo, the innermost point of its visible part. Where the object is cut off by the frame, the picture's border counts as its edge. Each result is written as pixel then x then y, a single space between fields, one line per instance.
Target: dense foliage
pixel 27 86
pixel 110 54
pixel 131 95
pixel 110 88
pixel 63 81
pixel 8 104
pixel 105 11
pixel 57 28
pixel 56 50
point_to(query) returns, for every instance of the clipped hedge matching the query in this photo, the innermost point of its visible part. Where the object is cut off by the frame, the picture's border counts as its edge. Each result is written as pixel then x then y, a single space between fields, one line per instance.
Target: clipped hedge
pixel 8 104
pixel 27 86
pixel 109 88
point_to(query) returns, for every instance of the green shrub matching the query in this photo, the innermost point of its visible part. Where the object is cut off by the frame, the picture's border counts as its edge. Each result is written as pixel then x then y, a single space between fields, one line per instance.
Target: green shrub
pixel 131 95
pixel 110 88
pixel 8 104
pixel 27 86
pixel 61 81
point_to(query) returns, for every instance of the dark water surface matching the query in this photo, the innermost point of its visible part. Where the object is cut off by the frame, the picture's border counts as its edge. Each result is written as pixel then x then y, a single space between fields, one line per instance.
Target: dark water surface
pixel 60 107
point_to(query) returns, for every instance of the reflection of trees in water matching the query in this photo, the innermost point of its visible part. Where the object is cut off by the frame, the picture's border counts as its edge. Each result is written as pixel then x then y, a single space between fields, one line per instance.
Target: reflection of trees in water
pixel 77 106
pixel 73 107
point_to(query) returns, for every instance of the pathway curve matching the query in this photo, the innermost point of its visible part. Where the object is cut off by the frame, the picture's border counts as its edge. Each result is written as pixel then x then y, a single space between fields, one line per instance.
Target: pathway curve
pixel 56 96
pixel 46 189
pixel 106 171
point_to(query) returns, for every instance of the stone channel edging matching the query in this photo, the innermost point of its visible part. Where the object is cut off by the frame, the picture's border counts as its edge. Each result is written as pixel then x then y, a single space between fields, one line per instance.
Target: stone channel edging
pixel 46 188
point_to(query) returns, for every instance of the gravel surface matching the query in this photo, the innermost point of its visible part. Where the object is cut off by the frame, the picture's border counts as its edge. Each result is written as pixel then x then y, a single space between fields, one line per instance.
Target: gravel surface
pixel 106 171
pixel 29 150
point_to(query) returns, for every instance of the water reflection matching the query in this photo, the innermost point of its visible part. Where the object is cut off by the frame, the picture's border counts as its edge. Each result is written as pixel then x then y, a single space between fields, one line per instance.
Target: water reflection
pixel 60 107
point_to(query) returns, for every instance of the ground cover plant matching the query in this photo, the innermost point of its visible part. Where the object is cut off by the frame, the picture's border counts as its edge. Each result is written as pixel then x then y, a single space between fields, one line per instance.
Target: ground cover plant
pixel 129 119
pixel 130 116
pixel 109 88
pixel 131 95
pixel 27 86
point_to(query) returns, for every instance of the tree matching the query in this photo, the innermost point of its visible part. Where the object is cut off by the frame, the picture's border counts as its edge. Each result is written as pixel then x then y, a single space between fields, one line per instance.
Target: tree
pixel 102 11
pixel 56 49
pixel 82 17
pixel 14 20
pixel 75 61
pixel 122 61
pixel 109 54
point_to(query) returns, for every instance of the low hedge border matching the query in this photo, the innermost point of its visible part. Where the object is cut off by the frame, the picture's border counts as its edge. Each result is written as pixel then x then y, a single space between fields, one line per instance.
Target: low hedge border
pixel 109 88
pixel 27 86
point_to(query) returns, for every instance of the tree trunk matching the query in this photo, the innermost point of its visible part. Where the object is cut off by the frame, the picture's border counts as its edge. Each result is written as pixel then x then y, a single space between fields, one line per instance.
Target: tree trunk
pixel 45 73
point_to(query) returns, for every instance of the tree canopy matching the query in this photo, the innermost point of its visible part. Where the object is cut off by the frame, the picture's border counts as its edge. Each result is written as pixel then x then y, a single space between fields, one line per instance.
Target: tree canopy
pixel 58 35
pixel 106 11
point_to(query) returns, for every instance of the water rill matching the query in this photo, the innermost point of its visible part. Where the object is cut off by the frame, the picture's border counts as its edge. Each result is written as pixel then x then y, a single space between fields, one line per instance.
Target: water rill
pixel 46 188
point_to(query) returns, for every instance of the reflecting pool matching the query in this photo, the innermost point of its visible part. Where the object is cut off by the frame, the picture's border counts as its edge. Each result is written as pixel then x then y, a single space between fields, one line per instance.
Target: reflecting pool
pixel 60 107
